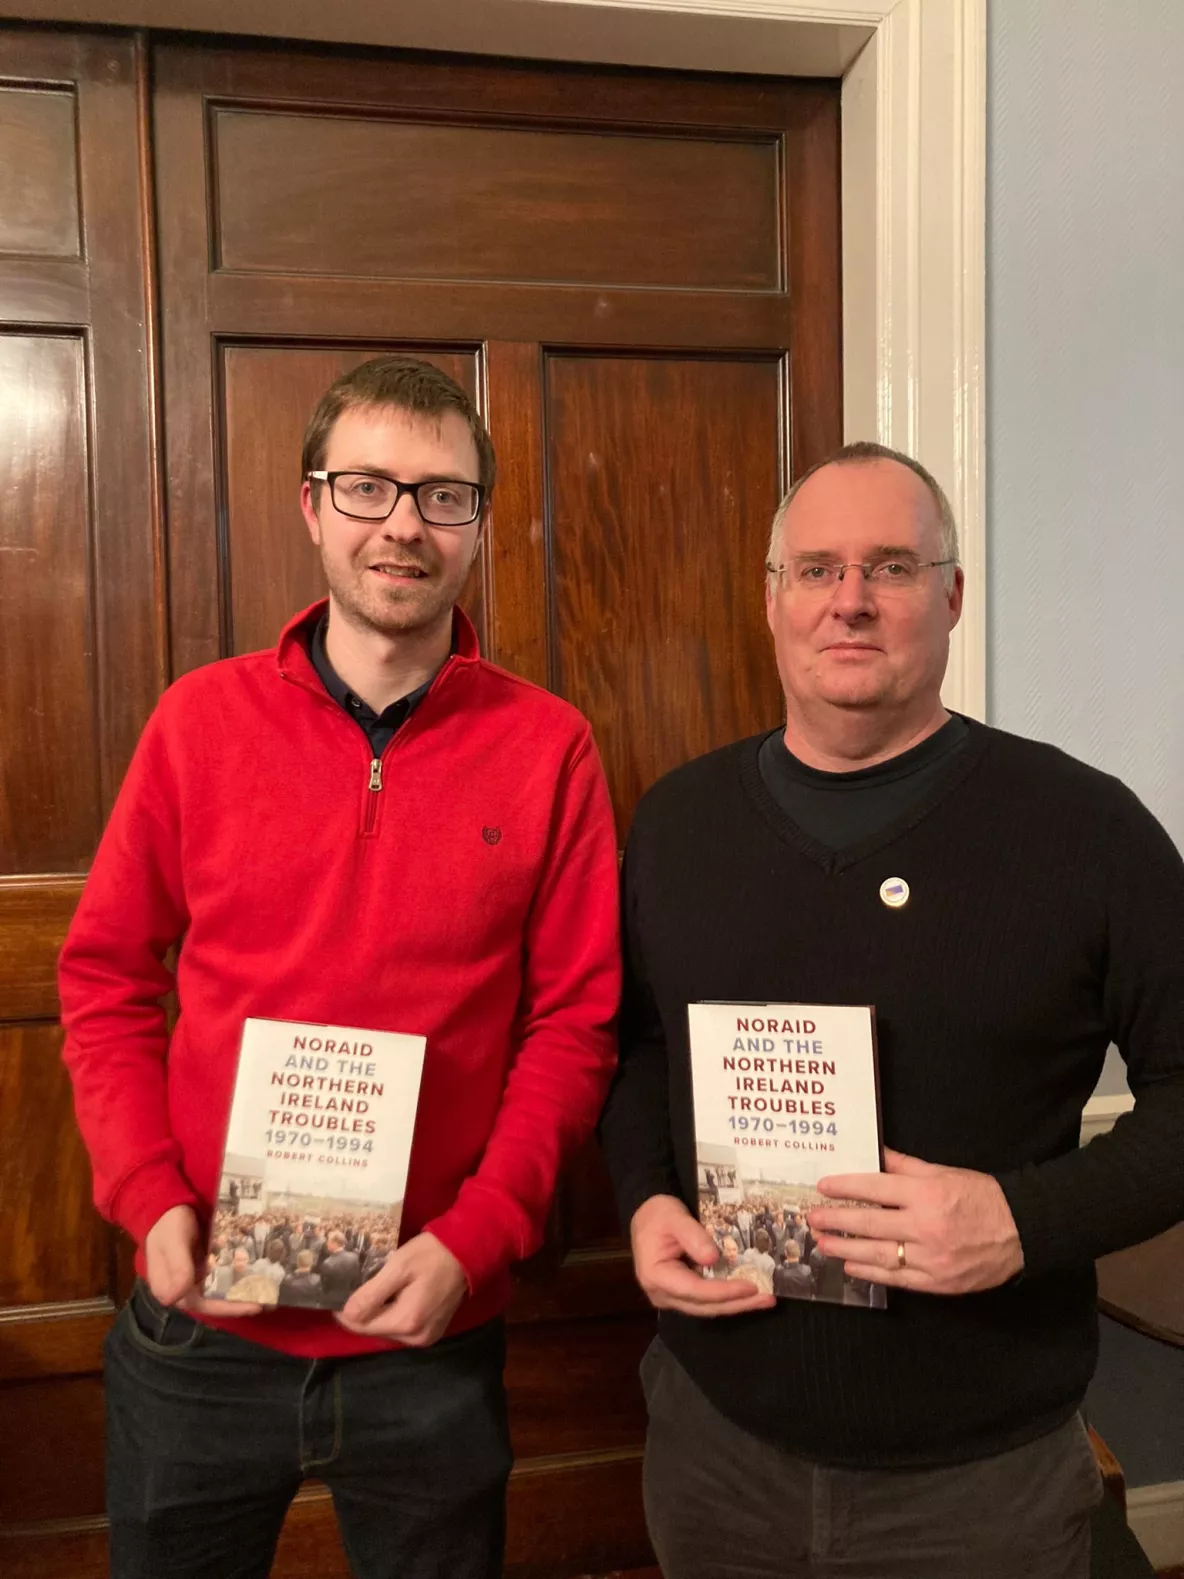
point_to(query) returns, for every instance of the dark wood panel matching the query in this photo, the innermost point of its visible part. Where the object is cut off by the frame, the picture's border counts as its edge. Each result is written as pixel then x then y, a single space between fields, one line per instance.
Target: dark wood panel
pixel 34 915
pixel 53 1340
pixel 814 243
pixel 38 173
pixel 77 1547
pixel 568 1518
pixel 271 568
pixel 60 1475
pixel 129 612
pixel 189 378
pixel 663 477
pixel 305 307
pixel 53 1246
pixel 104 293
pixel 574 1388
pixel 310 1545
pixel 589 1211
pixel 49 813
pixel 309 194
pixel 477 88
pixel 557 1512
pixel 1143 1286
pixel 79 669
pixel 582 1283
pixel 516 599
pixel 51 291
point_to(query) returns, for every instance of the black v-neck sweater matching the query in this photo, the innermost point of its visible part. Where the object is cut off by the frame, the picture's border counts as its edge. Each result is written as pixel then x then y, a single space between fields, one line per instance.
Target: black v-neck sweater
pixel 1045 919
pixel 840 809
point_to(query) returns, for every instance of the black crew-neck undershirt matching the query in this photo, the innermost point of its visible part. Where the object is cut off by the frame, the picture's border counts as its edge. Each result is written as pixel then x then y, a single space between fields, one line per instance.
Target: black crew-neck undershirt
pixel 839 810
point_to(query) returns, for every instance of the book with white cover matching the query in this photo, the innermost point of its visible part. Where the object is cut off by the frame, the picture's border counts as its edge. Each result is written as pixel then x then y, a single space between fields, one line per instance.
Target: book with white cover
pixel 310 1196
pixel 785 1093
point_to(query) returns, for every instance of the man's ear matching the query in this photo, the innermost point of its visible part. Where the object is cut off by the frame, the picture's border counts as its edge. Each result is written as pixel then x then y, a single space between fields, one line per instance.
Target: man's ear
pixel 309 513
pixel 955 594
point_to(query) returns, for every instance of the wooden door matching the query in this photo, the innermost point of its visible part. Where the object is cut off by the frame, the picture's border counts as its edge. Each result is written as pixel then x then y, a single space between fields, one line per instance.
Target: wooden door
pixel 81 661
pixel 637 274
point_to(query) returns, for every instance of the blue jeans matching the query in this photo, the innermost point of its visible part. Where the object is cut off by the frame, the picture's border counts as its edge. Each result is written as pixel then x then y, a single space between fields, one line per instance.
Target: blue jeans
pixel 210 1436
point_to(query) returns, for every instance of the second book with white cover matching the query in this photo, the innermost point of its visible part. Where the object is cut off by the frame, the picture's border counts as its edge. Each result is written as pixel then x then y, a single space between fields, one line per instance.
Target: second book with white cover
pixel 785 1093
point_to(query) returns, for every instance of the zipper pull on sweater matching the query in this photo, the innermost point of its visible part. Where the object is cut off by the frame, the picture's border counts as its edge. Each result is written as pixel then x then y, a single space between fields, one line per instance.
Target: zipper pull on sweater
pixel 376 775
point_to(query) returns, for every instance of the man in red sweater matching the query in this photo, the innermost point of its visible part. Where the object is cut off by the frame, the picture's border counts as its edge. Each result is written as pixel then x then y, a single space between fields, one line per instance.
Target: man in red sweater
pixel 373 827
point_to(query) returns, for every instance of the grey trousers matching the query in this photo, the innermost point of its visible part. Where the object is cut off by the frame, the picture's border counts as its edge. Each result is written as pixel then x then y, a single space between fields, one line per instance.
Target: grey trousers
pixel 721 1504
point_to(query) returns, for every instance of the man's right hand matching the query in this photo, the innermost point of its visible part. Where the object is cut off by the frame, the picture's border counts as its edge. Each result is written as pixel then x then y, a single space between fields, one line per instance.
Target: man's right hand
pixel 665 1236
pixel 173 1256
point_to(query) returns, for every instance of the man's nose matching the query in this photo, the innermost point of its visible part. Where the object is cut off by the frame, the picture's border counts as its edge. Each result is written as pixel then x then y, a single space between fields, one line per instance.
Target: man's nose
pixel 853 594
pixel 404 524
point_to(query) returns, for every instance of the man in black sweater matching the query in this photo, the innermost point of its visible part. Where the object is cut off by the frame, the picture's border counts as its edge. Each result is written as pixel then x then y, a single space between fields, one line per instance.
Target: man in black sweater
pixel 1042 918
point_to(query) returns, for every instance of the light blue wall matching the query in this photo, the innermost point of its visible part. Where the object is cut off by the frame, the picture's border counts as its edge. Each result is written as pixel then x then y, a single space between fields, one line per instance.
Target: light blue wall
pixel 1085 356
pixel 1085 458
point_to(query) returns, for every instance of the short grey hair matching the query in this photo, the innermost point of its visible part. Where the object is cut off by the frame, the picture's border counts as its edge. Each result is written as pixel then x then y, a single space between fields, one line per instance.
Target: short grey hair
pixel 861 452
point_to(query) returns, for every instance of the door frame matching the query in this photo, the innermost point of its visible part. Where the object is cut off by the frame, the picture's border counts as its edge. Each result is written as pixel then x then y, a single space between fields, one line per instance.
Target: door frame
pixel 914 180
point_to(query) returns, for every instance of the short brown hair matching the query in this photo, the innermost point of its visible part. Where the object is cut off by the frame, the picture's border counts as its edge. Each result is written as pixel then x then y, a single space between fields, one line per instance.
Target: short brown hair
pixel 404 383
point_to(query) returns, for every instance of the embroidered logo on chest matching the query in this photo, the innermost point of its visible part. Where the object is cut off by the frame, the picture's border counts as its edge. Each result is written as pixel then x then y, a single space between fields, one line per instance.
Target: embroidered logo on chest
pixel 492 835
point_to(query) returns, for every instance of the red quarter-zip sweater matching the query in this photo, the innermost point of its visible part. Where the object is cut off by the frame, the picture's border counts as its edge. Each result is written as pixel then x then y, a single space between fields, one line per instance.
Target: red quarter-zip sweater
pixel 464 889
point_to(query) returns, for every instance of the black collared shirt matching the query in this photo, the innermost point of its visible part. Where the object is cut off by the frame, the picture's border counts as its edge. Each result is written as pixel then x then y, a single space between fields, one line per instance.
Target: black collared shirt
pixel 379 728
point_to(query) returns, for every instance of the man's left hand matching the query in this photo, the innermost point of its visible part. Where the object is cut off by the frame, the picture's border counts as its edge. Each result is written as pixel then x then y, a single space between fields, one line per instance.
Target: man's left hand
pixel 955 1226
pixel 412 1298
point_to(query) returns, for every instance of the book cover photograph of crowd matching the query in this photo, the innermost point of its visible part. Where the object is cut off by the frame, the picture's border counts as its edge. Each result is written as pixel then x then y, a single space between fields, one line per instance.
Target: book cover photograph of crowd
pixel 283 1248
pixel 759 1225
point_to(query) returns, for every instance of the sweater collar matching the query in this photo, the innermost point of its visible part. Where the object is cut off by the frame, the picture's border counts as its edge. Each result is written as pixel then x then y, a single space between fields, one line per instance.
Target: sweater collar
pixel 960 765
pixel 294 663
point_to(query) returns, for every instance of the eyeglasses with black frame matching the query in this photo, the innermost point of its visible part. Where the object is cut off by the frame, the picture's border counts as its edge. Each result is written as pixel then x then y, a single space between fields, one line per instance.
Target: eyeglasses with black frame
pixel 371 496
pixel 889 572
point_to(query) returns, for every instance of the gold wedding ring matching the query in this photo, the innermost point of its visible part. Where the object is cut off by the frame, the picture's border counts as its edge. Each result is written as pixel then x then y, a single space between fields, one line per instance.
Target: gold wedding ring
pixel 900 1260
